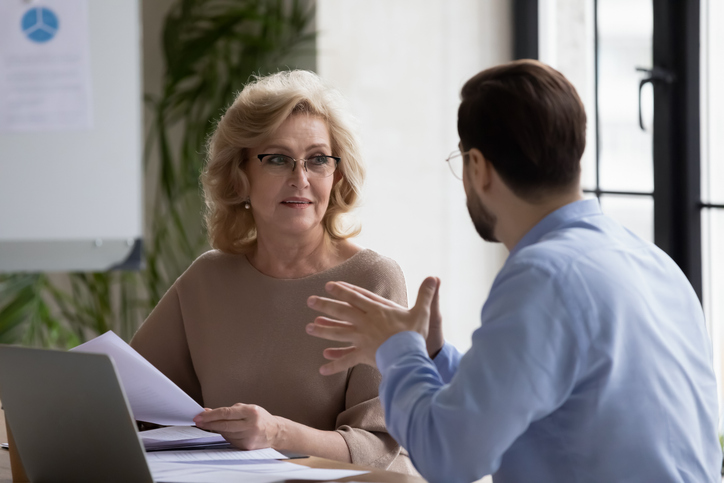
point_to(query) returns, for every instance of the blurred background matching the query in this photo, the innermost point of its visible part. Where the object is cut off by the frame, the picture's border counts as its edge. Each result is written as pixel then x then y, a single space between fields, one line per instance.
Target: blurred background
pixel 646 70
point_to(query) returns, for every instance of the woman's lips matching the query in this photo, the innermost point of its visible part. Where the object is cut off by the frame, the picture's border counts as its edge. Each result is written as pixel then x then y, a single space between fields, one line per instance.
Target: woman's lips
pixel 298 203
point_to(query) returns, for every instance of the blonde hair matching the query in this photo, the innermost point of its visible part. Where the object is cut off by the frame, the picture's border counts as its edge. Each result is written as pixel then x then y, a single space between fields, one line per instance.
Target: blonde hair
pixel 256 113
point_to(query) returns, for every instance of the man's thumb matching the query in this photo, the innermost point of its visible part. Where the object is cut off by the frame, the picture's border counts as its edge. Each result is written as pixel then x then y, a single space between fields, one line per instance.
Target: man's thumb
pixel 426 293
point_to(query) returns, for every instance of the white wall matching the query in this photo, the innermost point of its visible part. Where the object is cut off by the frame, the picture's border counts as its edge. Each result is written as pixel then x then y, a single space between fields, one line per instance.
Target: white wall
pixel 401 65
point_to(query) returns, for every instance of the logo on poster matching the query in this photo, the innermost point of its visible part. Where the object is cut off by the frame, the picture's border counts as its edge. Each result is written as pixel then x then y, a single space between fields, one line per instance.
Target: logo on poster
pixel 39 24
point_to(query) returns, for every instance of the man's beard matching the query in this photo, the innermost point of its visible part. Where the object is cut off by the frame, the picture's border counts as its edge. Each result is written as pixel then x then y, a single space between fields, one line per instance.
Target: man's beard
pixel 483 219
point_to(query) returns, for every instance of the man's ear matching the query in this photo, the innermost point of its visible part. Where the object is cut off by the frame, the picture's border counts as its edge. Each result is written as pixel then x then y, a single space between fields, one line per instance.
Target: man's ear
pixel 480 170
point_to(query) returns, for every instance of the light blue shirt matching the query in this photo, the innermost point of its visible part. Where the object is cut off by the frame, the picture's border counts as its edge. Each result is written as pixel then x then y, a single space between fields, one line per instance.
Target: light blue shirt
pixel 592 363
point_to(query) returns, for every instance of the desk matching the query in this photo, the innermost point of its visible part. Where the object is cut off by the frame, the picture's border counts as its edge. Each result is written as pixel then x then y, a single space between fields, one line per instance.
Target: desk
pixel 314 462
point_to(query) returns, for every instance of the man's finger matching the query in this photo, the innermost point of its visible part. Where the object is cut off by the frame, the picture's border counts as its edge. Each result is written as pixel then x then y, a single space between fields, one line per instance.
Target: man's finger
pixel 334 353
pixel 339 334
pixel 435 305
pixel 352 297
pixel 426 294
pixel 327 322
pixel 340 365
pixel 370 295
pixel 334 308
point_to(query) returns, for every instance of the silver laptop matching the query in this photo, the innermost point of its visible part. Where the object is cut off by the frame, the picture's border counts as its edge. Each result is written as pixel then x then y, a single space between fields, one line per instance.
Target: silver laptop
pixel 69 417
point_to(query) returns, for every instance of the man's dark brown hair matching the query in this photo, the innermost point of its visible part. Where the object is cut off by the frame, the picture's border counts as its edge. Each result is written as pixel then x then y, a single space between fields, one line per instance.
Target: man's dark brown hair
pixel 529 123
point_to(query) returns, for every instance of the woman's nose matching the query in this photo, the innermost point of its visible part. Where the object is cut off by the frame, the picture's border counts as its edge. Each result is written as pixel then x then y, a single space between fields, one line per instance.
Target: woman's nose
pixel 299 178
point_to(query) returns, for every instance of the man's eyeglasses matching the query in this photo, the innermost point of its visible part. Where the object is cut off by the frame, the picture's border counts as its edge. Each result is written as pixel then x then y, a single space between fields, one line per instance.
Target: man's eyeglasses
pixel 455 161
pixel 316 166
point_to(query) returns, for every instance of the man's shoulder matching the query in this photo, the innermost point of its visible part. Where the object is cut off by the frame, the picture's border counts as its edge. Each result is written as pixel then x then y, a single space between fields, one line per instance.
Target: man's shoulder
pixel 583 244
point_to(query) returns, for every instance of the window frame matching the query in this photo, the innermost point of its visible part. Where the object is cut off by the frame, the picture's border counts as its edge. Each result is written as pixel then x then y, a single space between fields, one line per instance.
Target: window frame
pixel 676 139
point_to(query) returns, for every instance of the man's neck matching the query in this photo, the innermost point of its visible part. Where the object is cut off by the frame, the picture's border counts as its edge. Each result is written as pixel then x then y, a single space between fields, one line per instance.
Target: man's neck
pixel 521 216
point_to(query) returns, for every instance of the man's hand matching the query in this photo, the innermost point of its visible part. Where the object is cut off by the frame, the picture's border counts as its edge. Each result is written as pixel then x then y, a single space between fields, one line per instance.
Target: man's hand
pixel 366 320
pixel 435 338
pixel 246 426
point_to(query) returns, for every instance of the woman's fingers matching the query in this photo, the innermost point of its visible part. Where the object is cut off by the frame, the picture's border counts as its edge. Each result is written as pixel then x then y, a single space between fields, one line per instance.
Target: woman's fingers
pixel 236 412
pixel 225 426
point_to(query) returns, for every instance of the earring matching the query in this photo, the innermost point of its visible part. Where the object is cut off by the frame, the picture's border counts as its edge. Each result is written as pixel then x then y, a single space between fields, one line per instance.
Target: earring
pixel 247 205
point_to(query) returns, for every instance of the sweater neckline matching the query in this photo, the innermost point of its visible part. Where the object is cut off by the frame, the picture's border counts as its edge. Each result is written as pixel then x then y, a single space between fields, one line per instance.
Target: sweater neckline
pixel 324 273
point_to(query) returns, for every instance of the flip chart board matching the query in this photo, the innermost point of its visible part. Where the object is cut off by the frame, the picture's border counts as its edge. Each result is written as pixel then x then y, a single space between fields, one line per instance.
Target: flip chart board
pixel 71 191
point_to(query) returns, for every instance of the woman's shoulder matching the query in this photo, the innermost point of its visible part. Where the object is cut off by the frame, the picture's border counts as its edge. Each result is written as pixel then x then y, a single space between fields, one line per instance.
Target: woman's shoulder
pixel 370 259
pixel 213 262
pixel 378 273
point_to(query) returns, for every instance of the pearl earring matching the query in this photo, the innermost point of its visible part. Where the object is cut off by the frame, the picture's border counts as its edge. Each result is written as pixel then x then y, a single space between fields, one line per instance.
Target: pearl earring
pixel 247 205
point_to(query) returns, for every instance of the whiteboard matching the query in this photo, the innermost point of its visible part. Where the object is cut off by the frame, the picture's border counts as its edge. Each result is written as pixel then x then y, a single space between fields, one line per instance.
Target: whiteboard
pixel 72 199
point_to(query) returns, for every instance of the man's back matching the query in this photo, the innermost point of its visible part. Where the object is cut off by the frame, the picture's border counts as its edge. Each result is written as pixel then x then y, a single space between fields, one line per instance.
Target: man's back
pixel 642 400
pixel 592 363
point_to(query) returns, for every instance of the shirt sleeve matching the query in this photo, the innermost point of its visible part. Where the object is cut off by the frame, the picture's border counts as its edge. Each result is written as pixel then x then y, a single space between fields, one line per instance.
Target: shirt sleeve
pixel 521 366
pixel 447 361
pixel 161 339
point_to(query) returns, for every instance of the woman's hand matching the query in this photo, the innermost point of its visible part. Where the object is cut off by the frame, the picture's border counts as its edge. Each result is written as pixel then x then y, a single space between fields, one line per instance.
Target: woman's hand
pixel 246 426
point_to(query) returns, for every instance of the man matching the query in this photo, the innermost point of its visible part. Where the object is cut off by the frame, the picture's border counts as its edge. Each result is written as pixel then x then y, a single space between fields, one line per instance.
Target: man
pixel 592 361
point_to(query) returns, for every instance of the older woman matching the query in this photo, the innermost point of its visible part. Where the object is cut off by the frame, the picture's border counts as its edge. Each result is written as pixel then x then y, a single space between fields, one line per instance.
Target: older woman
pixel 283 168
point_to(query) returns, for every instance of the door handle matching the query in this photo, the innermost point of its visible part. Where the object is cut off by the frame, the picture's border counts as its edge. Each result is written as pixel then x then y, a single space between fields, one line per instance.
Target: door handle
pixel 656 74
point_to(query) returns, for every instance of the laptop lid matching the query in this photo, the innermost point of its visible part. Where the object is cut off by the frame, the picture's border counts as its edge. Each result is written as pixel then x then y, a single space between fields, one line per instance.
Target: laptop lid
pixel 69 417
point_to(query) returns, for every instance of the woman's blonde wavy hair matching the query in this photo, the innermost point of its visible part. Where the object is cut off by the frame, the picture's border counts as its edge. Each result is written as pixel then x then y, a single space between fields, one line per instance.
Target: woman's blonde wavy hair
pixel 253 117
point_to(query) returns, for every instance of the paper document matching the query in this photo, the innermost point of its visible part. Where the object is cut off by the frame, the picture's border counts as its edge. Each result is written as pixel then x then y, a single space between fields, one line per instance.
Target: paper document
pixel 215 455
pixel 180 437
pixel 267 472
pixel 153 397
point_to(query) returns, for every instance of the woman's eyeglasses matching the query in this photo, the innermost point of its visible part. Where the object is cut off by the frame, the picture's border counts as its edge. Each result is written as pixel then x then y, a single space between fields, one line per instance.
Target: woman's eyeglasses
pixel 316 167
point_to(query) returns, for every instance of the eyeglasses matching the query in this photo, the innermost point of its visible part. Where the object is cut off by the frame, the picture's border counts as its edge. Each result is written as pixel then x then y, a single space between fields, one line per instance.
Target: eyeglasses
pixel 282 165
pixel 455 161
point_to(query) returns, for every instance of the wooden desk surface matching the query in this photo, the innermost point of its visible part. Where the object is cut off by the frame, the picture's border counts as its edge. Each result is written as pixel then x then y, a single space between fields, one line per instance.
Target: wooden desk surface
pixel 314 462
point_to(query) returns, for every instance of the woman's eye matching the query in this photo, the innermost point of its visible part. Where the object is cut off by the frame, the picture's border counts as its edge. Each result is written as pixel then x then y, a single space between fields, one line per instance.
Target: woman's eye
pixel 320 160
pixel 276 160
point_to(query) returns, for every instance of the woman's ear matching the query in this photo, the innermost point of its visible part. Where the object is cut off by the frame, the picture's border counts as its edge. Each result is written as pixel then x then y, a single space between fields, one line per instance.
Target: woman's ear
pixel 337 177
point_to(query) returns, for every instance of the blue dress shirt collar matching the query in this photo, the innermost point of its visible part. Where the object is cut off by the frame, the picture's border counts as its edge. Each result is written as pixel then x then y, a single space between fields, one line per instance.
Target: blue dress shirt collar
pixel 562 216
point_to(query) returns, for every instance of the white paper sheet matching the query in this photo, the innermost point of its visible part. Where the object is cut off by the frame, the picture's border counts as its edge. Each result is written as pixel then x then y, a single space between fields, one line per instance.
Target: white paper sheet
pixel 181 473
pixel 210 456
pixel 258 473
pixel 45 80
pixel 153 396
pixel 179 433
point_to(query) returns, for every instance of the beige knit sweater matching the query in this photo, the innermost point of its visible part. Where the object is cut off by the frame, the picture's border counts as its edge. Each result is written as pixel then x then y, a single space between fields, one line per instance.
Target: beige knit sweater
pixel 226 333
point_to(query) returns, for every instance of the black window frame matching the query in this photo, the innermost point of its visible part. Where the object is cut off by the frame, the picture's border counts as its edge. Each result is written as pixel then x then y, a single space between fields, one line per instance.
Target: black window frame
pixel 676 141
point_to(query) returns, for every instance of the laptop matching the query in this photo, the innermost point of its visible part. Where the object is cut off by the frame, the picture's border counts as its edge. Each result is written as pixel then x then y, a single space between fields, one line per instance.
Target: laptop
pixel 69 417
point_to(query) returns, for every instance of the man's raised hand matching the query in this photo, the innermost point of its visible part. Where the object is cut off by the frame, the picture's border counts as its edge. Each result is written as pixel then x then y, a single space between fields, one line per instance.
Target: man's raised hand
pixel 366 320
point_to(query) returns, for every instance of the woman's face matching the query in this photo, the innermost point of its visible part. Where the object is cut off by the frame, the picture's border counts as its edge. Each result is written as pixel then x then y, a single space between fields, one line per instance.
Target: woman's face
pixel 293 204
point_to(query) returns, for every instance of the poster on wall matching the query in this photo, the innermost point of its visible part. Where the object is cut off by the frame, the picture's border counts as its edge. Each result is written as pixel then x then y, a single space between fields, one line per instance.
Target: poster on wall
pixel 45 80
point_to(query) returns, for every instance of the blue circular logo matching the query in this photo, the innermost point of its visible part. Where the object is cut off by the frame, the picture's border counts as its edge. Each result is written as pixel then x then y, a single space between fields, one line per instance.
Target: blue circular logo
pixel 39 24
